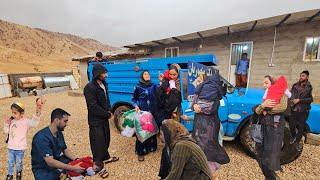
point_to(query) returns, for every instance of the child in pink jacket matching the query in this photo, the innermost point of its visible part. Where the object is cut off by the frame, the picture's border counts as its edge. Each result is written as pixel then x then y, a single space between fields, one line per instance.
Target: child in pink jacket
pixel 17 127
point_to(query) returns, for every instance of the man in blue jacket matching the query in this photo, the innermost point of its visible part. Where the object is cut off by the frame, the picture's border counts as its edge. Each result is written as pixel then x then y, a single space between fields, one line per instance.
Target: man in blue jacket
pixel 242 71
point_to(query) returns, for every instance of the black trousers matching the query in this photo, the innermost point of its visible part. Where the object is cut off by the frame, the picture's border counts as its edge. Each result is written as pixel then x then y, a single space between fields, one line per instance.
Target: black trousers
pixel 165 163
pixel 268 174
pixel 298 121
pixel 100 142
pixel 269 151
pixel 150 145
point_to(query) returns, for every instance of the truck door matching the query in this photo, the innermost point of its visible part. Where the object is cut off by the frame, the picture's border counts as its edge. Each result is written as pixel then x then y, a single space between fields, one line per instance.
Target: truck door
pixel 186 102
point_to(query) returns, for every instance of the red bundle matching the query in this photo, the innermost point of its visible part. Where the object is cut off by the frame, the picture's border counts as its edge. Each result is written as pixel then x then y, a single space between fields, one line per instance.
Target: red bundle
pixel 277 90
pixel 85 162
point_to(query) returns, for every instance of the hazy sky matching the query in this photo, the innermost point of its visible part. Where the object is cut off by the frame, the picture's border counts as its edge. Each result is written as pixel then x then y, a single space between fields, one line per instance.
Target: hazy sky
pixel 123 22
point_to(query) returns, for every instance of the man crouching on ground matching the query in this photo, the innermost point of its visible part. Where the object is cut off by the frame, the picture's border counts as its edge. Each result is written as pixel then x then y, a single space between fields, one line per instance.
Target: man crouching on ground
pixel 50 155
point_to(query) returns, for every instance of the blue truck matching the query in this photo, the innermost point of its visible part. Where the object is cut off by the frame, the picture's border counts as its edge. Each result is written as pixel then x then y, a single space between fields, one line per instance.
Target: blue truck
pixel 234 112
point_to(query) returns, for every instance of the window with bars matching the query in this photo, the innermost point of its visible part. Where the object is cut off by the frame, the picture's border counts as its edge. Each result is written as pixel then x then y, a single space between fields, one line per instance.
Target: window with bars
pixel 312 49
pixel 172 52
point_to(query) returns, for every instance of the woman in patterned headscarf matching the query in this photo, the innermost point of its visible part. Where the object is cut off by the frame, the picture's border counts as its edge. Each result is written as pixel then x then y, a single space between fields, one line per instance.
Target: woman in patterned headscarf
pixel 187 160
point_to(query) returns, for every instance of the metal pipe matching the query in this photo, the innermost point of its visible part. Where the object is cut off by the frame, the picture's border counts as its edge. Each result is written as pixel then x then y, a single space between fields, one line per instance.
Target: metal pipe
pixel 274 44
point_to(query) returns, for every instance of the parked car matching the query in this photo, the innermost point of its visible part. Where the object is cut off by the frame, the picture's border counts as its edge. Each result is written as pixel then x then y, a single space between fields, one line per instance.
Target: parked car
pixel 235 108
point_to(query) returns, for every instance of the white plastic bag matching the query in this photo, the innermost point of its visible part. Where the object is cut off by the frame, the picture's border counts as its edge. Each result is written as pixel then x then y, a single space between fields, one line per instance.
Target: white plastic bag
pixel 128 131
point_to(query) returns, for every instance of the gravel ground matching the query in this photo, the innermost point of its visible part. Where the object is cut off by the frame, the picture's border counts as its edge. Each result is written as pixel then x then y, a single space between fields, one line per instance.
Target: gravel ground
pixel 76 135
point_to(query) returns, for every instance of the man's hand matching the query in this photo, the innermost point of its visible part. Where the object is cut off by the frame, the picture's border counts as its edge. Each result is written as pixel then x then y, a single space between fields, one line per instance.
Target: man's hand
pixel 296 101
pixel 77 168
pixel 197 108
pixel 269 103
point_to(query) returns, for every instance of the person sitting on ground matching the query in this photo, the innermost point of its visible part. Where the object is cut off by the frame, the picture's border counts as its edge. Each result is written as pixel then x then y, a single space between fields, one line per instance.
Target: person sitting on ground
pixel 188 161
pixel 50 155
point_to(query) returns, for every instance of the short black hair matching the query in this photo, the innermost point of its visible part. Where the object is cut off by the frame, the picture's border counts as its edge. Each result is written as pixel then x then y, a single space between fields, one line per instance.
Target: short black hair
pixel 58 113
pixel 306 72
pixel 99 54
pixel 244 54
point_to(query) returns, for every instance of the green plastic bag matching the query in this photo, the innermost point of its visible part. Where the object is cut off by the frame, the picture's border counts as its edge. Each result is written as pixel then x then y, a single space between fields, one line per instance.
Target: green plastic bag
pixel 128 118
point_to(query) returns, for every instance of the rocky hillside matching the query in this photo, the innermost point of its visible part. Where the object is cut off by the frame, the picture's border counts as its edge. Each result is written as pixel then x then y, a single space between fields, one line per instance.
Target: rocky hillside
pixel 25 49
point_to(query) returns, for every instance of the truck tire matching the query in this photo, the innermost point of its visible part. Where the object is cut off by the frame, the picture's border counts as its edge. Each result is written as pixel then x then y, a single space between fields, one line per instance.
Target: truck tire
pixel 117 114
pixel 289 152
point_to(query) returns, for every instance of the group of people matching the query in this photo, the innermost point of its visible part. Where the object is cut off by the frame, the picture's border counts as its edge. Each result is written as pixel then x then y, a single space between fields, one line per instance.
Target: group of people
pixel 184 156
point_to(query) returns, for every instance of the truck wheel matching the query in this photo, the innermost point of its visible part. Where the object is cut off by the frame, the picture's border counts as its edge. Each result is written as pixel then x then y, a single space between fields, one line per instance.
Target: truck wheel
pixel 289 152
pixel 117 114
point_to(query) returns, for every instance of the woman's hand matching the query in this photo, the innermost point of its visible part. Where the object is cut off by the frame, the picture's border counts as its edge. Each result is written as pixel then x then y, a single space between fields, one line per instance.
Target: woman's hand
pixel 197 108
pixel 137 109
pixel 184 117
pixel 268 103
pixel 161 77
pixel 174 115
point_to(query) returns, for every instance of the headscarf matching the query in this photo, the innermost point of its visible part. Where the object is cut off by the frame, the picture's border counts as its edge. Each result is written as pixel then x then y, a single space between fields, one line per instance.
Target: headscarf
pixel 210 89
pixel 174 132
pixel 143 82
pixel 177 81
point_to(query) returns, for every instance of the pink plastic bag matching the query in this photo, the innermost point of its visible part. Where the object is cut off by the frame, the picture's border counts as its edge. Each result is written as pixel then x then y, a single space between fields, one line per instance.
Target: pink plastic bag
pixel 145 125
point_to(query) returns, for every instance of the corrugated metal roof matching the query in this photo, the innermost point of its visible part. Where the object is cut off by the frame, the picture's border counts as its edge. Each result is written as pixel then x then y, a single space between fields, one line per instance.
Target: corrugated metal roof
pixel 246 26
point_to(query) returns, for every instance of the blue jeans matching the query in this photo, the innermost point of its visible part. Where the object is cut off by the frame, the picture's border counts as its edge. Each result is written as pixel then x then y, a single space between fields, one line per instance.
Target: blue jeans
pixel 15 157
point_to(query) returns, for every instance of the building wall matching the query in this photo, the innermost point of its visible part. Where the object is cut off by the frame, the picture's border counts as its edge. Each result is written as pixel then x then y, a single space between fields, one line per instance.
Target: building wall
pixel 83 73
pixel 288 54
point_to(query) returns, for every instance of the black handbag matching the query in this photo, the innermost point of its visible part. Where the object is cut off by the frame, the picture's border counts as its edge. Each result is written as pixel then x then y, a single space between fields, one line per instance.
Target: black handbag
pixel 256 129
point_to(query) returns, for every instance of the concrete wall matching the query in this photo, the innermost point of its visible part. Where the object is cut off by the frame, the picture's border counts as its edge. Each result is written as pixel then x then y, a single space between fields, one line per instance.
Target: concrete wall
pixel 288 54
pixel 83 74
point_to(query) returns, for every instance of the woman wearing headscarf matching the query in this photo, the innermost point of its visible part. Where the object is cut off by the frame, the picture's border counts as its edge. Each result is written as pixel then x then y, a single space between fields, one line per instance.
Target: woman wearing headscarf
pixel 187 159
pixel 144 99
pixel 206 121
pixel 271 115
pixel 169 94
pixel 168 107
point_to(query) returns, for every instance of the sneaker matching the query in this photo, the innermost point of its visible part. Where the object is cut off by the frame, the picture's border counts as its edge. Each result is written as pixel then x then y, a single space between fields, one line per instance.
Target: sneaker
pixel 9 177
pixel 19 175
